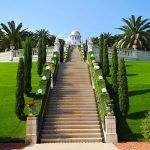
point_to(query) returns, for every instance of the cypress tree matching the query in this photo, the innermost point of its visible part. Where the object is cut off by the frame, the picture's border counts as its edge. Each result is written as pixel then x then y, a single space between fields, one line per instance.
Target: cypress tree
pixel 40 62
pixel 101 43
pixel 105 59
pixel 114 68
pixel 123 88
pixel 27 65
pixel 43 48
pixel 19 107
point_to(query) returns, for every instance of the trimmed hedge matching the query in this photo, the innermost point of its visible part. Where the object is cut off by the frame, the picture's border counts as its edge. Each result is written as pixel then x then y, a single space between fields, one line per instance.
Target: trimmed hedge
pixel 46 84
pixel 66 54
pixel 102 98
pixel 81 50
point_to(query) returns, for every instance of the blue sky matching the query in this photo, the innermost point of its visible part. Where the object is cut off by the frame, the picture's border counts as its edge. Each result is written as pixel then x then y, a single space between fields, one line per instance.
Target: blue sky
pixel 90 17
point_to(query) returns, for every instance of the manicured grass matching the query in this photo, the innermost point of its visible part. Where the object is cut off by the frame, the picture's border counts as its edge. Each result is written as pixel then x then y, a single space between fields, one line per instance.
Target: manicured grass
pixel 11 128
pixel 139 94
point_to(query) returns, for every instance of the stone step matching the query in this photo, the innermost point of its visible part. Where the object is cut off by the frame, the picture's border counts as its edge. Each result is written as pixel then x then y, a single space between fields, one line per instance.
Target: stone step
pixel 70 135
pixel 80 112
pixel 71 131
pixel 70 115
pixel 78 99
pixel 73 90
pixel 73 119
pixel 71 96
pixel 47 122
pixel 72 140
pixel 71 127
pixel 54 103
pixel 62 94
pixel 73 80
pixel 57 87
pixel 86 106
pixel 72 108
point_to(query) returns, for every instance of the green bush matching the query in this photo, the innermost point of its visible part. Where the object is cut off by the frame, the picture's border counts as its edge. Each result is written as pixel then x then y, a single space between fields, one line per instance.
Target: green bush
pixel 27 65
pixel 40 61
pixel 20 102
pixel 105 60
pixel 99 84
pixel 145 127
pixel 123 88
pixel 66 54
pixel 101 43
pixel 114 68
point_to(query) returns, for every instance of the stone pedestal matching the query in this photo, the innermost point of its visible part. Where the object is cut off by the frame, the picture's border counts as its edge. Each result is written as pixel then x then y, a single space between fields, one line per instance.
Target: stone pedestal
pixel 57 48
pixel 110 129
pixel 31 130
pixel 90 45
pixel 11 55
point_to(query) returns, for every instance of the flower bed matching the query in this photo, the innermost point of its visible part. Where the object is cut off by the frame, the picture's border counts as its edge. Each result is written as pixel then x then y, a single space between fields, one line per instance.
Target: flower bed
pixel 66 54
pixel 100 87
pixel 81 49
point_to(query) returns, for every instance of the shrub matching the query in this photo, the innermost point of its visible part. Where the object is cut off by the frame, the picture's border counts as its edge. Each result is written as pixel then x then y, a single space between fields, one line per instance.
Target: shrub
pixel 105 60
pixel 27 65
pixel 67 53
pixel 114 68
pixel 43 48
pixel 146 127
pixel 101 43
pixel 40 62
pixel 20 103
pixel 99 85
pixel 123 88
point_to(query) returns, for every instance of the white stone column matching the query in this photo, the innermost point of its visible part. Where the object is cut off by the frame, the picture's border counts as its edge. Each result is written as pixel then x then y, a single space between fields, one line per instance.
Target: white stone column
pixel 11 55
pixel 110 129
pixel 90 45
pixel 31 130
pixel 57 48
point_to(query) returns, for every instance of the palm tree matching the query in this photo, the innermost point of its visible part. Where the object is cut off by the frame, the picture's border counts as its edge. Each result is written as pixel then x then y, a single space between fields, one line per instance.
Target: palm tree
pixel 136 33
pixel 108 36
pixel 12 34
pixel 42 34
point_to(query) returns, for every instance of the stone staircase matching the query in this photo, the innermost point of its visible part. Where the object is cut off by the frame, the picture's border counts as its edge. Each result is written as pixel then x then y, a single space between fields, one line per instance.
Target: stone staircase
pixel 71 114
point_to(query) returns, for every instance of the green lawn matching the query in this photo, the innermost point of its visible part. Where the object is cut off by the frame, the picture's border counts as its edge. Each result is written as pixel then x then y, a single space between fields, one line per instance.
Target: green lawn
pixel 11 128
pixel 139 96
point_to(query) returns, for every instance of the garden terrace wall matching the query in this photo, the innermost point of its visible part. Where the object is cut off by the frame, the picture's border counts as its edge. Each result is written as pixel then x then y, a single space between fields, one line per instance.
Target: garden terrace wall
pixel 103 99
pixel 45 85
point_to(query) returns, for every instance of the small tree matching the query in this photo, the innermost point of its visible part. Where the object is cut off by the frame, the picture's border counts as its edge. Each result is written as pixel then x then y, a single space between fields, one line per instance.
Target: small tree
pixel 85 51
pixel 114 68
pixel 101 43
pixel 27 65
pixel 105 59
pixel 146 127
pixel 19 107
pixel 40 62
pixel 123 88
pixel 43 48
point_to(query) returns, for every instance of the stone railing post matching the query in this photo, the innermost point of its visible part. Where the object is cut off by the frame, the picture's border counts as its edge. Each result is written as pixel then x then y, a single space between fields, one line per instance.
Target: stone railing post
pixel 31 130
pixel 11 55
pixel 52 81
pixel 135 54
pixel 57 48
pixel 110 129
pixel 90 45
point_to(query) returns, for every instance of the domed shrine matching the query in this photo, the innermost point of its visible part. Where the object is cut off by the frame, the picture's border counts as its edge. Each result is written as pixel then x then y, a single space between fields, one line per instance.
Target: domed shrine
pixel 75 38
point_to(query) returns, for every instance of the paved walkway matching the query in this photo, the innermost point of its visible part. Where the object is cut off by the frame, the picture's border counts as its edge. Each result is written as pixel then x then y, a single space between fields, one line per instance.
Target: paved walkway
pixel 72 146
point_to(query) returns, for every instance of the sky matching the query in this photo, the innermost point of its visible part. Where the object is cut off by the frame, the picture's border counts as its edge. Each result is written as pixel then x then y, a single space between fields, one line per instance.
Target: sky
pixel 60 17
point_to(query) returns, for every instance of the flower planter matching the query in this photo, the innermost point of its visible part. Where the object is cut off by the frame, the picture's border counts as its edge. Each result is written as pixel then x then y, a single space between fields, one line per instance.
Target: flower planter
pixel 31 106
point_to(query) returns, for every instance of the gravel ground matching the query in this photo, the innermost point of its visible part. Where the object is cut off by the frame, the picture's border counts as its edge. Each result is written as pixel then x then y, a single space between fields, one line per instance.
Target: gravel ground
pixel 133 146
pixel 12 146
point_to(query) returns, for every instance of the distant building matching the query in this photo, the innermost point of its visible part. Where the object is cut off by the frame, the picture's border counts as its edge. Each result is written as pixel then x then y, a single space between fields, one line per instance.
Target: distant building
pixel 75 38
